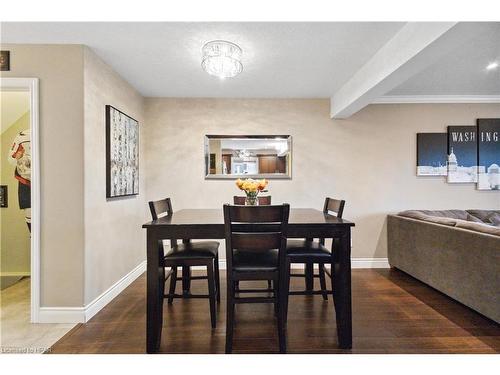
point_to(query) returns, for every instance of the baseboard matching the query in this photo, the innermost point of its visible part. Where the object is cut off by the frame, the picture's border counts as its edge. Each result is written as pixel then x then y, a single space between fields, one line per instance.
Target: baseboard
pixel 98 303
pixel 370 263
pixel 355 263
pixel 15 274
pixel 61 315
pixel 84 314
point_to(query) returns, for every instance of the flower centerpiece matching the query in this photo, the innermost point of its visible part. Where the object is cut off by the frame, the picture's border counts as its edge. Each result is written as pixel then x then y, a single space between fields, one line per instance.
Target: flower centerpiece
pixel 251 188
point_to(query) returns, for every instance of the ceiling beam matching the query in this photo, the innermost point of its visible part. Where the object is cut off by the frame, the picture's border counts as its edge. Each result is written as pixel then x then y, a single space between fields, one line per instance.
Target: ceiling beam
pixel 413 48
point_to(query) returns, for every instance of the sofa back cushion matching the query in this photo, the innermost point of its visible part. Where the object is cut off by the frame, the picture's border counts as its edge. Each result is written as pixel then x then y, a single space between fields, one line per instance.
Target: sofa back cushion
pixel 478 227
pixel 422 215
pixel 491 217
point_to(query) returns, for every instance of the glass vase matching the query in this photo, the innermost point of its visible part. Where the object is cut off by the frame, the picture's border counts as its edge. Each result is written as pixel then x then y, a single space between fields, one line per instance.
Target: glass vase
pixel 251 200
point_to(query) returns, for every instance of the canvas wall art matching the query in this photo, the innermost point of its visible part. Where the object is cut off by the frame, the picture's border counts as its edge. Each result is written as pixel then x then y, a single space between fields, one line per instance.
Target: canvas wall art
pixel 122 154
pixel 488 131
pixel 462 154
pixel 431 154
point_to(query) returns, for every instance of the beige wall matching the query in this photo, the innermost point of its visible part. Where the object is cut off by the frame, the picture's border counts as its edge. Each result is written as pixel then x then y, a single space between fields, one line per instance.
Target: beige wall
pixel 369 159
pixel 114 239
pixel 60 70
pixel 14 235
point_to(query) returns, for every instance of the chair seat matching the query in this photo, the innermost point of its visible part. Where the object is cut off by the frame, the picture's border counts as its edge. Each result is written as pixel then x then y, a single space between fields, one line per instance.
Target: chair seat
pixel 204 249
pixel 251 261
pixel 303 249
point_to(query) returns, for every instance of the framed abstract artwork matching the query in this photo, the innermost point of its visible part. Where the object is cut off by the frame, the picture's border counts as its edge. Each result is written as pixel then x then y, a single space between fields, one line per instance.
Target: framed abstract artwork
pixel 431 154
pixel 488 154
pixel 462 154
pixel 122 154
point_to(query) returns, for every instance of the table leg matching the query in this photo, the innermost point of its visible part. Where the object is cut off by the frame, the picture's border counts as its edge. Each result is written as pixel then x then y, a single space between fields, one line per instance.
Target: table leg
pixel 342 295
pixel 154 308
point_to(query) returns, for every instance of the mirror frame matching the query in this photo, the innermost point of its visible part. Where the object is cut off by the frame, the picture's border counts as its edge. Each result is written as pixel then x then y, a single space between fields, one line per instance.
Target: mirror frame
pixel 269 176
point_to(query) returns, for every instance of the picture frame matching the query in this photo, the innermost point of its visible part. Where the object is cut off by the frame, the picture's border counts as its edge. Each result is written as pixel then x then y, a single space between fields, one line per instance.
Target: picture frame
pixel 431 154
pixel 488 154
pixel 122 154
pixel 4 196
pixel 462 154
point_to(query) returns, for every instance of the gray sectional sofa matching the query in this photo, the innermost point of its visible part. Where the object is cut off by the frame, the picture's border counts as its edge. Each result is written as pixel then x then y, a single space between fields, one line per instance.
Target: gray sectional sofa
pixel 455 251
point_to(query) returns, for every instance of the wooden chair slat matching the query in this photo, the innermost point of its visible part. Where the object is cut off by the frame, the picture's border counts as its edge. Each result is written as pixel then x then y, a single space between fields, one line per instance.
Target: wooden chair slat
pixel 256 242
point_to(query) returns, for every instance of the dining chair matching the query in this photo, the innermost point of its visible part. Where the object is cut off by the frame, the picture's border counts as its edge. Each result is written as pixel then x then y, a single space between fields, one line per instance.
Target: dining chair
pixel 263 200
pixel 256 250
pixel 187 254
pixel 309 252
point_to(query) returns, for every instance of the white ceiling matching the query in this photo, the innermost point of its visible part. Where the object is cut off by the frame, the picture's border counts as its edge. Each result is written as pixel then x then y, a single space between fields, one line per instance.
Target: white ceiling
pixel 280 60
pixel 13 105
pixel 461 72
pixel 303 60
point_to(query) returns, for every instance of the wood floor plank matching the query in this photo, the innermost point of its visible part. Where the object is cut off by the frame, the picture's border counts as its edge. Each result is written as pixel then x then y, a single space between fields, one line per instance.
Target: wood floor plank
pixel 392 313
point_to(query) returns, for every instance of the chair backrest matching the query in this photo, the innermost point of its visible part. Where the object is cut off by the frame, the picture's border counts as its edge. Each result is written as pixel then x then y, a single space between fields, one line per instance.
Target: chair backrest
pixel 255 229
pixel 334 205
pixel 263 201
pixel 160 208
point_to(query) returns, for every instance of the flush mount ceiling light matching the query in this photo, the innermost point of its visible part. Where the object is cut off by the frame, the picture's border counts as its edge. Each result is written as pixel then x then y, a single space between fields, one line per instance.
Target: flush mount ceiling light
pixel 492 65
pixel 222 59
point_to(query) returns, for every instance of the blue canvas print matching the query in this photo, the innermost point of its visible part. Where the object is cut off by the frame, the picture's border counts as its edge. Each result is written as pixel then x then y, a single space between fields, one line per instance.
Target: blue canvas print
pixel 488 154
pixel 462 154
pixel 431 154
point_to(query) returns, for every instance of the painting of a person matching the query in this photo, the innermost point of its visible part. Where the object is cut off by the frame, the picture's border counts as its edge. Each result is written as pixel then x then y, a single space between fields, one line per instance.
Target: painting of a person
pixel 20 157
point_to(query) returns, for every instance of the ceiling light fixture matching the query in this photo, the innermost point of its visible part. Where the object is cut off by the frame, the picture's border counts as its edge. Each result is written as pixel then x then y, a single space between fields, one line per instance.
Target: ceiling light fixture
pixel 222 59
pixel 492 65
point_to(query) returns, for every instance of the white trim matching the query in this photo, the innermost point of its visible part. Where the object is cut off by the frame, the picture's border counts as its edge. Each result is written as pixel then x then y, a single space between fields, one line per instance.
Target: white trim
pixel 61 315
pixel 84 314
pixel 355 263
pixel 370 263
pixel 101 301
pixel 416 99
pixel 18 273
pixel 31 84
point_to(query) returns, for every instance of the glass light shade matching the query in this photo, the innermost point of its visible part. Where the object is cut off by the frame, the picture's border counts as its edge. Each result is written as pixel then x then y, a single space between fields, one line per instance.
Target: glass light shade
pixel 222 59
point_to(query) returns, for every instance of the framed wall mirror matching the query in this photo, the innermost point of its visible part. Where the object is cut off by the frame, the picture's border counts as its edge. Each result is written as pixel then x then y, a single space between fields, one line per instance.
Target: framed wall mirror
pixel 248 156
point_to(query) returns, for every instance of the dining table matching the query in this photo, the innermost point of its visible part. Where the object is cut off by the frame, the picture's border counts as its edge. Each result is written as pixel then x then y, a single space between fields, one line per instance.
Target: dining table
pixel 209 224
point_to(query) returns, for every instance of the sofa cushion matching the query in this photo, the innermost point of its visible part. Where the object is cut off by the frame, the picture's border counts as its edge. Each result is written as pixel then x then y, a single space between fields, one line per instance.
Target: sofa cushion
pixel 420 215
pixel 452 214
pixel 487 216
pixel 474 219
pixel 478 227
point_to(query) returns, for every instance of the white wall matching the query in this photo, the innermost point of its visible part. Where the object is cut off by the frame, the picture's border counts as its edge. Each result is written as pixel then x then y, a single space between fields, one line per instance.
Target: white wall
pixel 114 239
pixel 369 159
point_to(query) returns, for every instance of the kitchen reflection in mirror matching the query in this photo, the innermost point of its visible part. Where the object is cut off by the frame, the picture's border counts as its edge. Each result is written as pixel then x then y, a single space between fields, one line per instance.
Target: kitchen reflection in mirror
pixel 248 156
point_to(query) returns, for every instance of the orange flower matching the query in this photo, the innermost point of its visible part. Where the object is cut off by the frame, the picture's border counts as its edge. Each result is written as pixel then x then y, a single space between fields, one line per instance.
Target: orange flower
pixel 262 184
pixel 239 184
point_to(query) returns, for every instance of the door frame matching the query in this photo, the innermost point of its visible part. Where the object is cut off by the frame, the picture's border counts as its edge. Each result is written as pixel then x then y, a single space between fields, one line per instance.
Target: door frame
pixel 31 85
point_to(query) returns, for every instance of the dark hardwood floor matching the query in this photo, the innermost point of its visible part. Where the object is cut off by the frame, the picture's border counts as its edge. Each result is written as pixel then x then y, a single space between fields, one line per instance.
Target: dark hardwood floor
pixel 392 313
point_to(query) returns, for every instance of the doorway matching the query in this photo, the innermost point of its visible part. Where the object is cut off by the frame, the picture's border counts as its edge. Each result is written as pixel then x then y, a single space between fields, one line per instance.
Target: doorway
pixel 19 198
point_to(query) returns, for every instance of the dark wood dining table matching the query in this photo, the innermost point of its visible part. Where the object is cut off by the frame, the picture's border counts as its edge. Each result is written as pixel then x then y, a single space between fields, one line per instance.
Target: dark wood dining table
pixel 209 224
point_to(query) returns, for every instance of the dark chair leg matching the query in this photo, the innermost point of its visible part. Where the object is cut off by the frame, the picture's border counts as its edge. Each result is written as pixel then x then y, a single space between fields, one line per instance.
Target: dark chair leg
pixel 211 293
pixel 186 279
pixel 281 297
pixel 276 304
pixel 322 281
pixel 286 290
pixel 173 281
pixel 269 284
pixel 217 277
pixel 309 271
pixel 230 316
